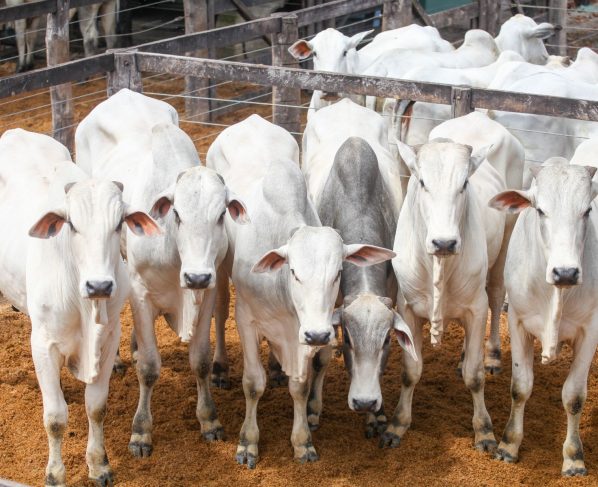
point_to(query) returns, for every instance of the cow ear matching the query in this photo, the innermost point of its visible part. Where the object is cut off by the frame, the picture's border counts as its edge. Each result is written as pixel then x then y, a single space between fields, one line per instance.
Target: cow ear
pixel 404 336
pixel 408 155
pixel 164 202
pixel 591 170
pixel 272 261
pixel 479 156
pixel 355 40
pixel 142 224
pixel 236 209
pixel 48 225
pixel 119 185
pixel 511 201
pixel 68 186
pixel 594 189
pixel 542 31
pixel 386 301
pixel 301 50
pixel 366 255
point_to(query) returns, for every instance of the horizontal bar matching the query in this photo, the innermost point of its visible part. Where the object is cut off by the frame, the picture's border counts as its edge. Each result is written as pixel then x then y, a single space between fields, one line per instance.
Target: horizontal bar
pixel 77 70
pixel 362 85
pixel 35 9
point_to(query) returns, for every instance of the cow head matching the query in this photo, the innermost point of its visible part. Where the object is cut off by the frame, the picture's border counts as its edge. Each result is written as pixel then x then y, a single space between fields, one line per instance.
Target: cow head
pixel 562 198
pixel 197 204
pixel 93 214
pixel 439 184
pixel 368 323
pixel 523 35
pixel 314 257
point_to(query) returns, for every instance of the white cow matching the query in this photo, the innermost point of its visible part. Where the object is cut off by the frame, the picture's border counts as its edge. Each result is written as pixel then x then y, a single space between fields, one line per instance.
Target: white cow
pixel 523 35
pixel 137 139
pixel 73 286
pixel 441 265
pixel 286 270
pixel 551 277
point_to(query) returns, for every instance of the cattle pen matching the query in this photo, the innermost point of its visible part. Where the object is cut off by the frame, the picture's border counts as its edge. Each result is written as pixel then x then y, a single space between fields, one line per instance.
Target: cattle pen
pixel 211 92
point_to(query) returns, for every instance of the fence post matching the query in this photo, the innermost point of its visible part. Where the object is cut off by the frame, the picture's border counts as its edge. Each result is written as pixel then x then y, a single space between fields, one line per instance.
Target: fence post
pixel 492 17
pixel 285 116
pixel 483 14
pixel 57 51
pixel 557 15
pixel 196 20
pixel 125 74
pixel 396 13
pixel 461 101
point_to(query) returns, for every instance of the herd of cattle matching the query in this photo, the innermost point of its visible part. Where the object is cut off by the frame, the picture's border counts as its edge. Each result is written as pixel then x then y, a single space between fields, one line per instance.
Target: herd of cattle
pixel 307 245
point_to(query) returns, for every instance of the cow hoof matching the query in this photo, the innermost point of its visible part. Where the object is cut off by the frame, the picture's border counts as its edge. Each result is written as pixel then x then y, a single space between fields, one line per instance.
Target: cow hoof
pixel 459 370
pixel 278 378
pixel 140 450
pixel 246 458
pixel 220 382
pixel 493 369
pixel 310 455
pixel 575 472
pixel 486 446
pixel 214 434
pixel 53 481
pixel 104 480
pixel 505 456
pixel 313 426
pixel 377 428
pixel 220 376
pixel 119 368
pixel 389 440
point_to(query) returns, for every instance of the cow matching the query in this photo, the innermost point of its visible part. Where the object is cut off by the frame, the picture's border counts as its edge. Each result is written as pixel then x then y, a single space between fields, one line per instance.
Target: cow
pixel 137 139
pixel 551 276
pixel 523 35
pixel 356 202
pixel 60 264
pixel 286 270
pixel 441 266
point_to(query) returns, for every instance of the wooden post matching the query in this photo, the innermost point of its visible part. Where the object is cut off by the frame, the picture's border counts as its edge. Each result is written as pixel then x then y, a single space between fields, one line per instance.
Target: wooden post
pixel 492 17
pixel 125 74
pixel 461 101
pixel 287 117
pixel 196 20
pixel 57 52
pixel 396 13
pixel 557 15
pixel 483 14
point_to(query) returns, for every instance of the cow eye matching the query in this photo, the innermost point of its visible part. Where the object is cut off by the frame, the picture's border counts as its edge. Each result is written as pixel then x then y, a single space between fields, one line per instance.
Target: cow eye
pixel 177 218
pixel 465 185
pixel 119 226
pixel 315 53
pixel 540 212
pixel 346 338
pixel 344 53
pixel 72 226
pixel 221 218
pixel 587 213
pixel 293 274
pixel 421 183
pixel 387 339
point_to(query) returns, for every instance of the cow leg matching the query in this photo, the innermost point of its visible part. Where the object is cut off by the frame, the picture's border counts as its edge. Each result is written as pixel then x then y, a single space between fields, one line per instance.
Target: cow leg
pixel 148 370
pixel 119 365
pixel 87 23
pixel 276 377
pixel 47 361
pixel 108 21
pixel 314 405
pixel 96 395
pixel 199 358
pixel 522 381
pixel 474 376
pixel 20 28
pixel 301 435
pixel 375 423
pixel 574 396
pixel 220 376
pixel 254 384
pixel 412 371
pixel 31 36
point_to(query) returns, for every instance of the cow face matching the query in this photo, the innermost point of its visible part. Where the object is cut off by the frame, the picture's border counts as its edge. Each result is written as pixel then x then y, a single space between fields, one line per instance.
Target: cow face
pixel 440 187
pixel 93 215
pixel 523 35
pixel 562 197
pixel 314 256
pixel 368 324
pixel 198 202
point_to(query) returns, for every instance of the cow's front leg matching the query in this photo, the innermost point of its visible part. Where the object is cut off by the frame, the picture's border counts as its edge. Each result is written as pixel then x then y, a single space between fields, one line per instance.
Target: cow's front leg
pixel 574 396
pixel 47 361
pixel 412 371
pixel 301 435
pixel 314 405
pixel 148 370
pixel 522 381
pixel 474 375
pixel 220 377
pixel 96 395
pixel 199 358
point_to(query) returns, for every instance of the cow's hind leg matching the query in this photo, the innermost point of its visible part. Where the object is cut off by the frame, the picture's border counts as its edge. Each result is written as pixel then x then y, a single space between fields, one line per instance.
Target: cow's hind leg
pixel 314 405
pixel 148 370
pixel 276 376
pixel 48 361
pixel 574 396
pixel 220 377
pixel 119 365
pixel 412 371
pixel 87 22
pixel 199 358
pixel 108 21
pixel 522 359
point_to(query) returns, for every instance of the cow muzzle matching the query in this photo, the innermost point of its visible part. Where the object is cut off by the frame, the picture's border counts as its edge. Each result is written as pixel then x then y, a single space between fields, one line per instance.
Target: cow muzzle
pixel 364 405
pixel 565 276
pixel 444 247
pixel 316 338
pixel 197 280
pixel 99 288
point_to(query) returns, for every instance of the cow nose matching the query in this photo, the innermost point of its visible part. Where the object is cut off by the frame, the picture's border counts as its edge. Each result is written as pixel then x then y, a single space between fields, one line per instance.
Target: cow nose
pixel 99 289
pixel 364 405
pixel 317 338
pixel 565 276
pixel 197 281
pixel 445 247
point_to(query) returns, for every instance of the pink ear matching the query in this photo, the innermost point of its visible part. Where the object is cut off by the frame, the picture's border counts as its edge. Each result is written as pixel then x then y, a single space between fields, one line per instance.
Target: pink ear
pixel 161 207
pixel 365 255
pixel 47 226
pixel 142 224
pixel 300 50
pixel 511 201
pixel 272 261
pixel 238 212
